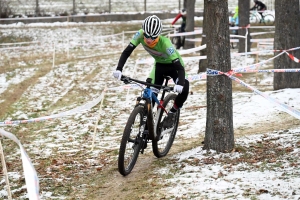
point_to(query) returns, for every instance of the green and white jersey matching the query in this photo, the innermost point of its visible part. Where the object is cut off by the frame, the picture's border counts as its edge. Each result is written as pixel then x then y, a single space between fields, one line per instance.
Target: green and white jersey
pixel 163 52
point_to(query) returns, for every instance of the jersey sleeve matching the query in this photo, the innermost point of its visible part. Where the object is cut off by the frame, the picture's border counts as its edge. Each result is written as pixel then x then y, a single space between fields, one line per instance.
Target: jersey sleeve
pixel 170 50
pixel 138 36
pixel 176 18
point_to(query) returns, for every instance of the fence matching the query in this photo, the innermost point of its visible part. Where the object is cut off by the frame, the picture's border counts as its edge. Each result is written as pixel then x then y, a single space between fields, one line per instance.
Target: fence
pixel 29 171
pixel 52 7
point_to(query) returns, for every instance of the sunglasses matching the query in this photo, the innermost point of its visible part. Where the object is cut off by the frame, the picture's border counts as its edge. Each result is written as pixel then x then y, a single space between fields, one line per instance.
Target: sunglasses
pixel 148 36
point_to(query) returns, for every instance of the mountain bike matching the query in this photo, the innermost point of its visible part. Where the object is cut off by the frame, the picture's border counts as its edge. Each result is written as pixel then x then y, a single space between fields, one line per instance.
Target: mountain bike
pixel 266 18
pixel 144 125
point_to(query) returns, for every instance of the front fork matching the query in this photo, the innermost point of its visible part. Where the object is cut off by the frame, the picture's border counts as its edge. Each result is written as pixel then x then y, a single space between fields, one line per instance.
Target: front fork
pixel 145 127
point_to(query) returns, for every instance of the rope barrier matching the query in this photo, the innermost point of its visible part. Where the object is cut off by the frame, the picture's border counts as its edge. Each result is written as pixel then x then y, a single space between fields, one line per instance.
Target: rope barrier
pixel 31 178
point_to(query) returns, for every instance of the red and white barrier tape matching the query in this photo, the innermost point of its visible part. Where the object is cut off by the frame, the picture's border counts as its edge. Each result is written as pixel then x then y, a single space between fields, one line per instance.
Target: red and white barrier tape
pixel 292 57
pixel 284 107
pixel 31 179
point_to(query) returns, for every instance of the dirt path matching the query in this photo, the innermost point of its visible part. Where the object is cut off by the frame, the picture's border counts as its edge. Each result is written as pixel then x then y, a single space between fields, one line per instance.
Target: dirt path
pixel 143 183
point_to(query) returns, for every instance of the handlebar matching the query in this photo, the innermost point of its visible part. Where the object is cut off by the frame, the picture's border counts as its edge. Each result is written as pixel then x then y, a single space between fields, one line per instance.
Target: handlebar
pixel 128 80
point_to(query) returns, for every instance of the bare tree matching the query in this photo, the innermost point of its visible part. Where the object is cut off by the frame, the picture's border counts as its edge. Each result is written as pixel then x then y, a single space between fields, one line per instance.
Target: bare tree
pixel 203 63
pixel 243 22
pixel 37 8
pixel 190 21
pixel 5 9
pixel 74 7
pixel 219 133
pixel 287 31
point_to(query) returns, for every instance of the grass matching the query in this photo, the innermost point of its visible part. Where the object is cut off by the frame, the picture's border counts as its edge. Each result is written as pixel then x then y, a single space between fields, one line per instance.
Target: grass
pixel 74 171
pixel 14 92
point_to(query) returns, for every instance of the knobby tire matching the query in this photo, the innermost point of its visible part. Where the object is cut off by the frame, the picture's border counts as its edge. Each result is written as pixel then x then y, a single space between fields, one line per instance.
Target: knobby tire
pixel 162 146
pixel 253 19
pixel 131 142
pixel 269 20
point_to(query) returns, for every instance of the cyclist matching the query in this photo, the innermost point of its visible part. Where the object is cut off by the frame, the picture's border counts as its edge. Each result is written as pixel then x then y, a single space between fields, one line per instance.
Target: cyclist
pixel 167 62
pixel 234 22
pixel 260 7
pixel 182 15
pixel 235 17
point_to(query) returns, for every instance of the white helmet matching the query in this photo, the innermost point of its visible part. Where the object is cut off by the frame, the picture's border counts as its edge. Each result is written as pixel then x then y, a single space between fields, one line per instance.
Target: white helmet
pixel 152 26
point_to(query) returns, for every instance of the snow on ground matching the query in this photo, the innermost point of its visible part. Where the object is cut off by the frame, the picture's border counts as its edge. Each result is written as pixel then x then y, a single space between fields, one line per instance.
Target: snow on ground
pixel 199 174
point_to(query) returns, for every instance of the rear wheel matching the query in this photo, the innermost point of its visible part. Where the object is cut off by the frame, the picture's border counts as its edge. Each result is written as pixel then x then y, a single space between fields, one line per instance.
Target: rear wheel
pixel 253 19
pixel 269 20
pixel 163 143
pixel 176 42
pixel 131 142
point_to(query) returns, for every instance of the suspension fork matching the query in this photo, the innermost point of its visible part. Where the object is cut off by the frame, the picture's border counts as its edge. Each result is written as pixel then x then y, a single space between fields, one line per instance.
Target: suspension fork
pixel 150 120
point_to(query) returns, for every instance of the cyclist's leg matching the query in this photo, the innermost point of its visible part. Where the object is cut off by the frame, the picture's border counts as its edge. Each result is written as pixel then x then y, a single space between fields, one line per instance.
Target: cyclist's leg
pixel 181 98
pixel 262 16
pixel 159 74
pixel 170 120
pixel 182 39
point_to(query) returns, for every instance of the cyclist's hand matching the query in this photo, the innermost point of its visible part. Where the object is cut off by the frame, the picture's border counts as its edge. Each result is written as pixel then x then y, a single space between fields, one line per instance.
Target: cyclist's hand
pixel 117 74
pixel 178 88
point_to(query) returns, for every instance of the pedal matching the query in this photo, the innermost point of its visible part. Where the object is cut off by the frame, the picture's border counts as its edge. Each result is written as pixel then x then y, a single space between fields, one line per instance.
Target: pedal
pixel 166 131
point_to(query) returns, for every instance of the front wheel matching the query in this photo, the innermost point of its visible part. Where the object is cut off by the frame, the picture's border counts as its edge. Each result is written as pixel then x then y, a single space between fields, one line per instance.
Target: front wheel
pixel 165 137
pixel 131 142
pixel 269 20
pixel 253 19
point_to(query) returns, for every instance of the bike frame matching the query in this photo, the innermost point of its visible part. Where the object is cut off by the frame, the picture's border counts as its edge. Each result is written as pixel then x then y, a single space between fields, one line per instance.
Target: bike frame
pixel 149 97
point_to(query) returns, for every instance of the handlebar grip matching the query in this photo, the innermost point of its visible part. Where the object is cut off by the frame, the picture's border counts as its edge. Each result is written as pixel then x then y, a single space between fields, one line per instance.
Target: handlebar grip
pixel 125 79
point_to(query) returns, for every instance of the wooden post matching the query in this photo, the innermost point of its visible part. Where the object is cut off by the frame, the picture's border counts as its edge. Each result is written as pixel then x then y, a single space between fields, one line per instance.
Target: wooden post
pixel 257 67
pixel 145 5
pixel 98 118
pixel 53 63
pixel 5 172
pixel 74 10
pixel 179 5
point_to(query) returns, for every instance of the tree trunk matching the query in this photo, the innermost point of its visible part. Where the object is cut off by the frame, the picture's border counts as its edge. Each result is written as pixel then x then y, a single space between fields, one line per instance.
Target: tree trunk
pixel 203 63
pixel 185 3
pixel 219 134
pixel 287 31
pixel 74 7
pixel 244 21
pixel 190 23
pixel 37 8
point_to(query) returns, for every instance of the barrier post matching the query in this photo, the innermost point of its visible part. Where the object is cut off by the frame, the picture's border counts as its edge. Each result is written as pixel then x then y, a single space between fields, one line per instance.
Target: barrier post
pixel 256 62
pixel 98 118
pixel 5 172
pixel 123 39
pixel 133 73
pixel 53 64
pixel 68 42
pixel 246 45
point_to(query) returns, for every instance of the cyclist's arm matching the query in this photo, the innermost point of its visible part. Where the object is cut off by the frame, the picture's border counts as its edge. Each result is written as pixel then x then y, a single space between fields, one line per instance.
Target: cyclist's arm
pixel 254 7
pixel 181 72
pixel 135 41
pixel 263 6
pixel 125 55
pixel 176 18
pixel 235 15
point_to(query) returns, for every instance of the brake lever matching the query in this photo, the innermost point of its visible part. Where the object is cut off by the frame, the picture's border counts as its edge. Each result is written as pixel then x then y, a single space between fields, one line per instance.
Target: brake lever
pixel 125 79
pixel 168 89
